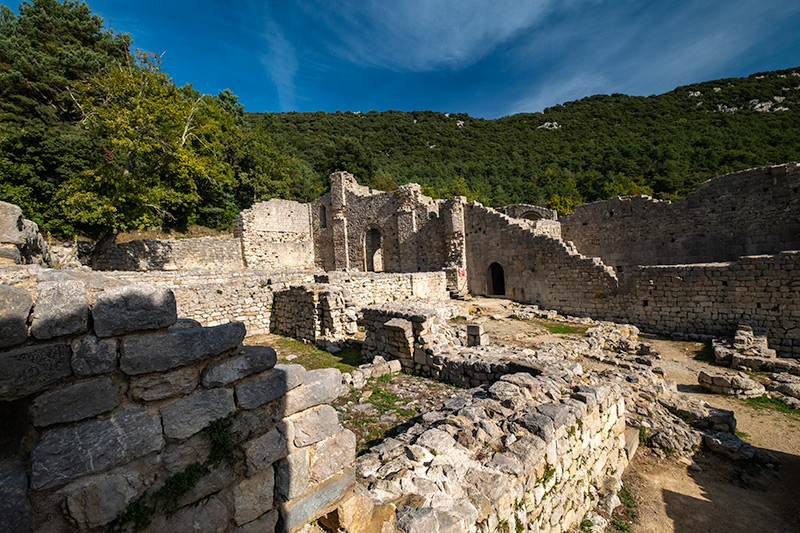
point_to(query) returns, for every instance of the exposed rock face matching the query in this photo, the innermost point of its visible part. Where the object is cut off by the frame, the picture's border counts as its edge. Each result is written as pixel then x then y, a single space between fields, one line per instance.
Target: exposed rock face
pixel 730 384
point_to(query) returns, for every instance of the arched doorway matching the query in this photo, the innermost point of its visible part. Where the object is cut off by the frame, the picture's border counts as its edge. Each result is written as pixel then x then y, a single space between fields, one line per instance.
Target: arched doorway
pixel 497 280
pixel 373 251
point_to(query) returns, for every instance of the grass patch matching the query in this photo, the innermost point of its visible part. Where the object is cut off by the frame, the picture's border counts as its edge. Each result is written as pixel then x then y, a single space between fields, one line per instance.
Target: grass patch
pixel 626 498
pixel 621 525
pixel 312 357
pixel 765 402
pixel 557 328
pixel 387 401
pixel 741 435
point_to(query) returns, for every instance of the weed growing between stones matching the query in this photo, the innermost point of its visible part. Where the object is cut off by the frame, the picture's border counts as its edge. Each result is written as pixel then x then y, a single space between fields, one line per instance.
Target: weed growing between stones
pixel 138 514
pixel 643 436
pixel 626 513
pixel 765 402
pixel 586 525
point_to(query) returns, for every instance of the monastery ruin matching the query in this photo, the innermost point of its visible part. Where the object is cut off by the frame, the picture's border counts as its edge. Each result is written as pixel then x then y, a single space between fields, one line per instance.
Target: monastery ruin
pixel 121 381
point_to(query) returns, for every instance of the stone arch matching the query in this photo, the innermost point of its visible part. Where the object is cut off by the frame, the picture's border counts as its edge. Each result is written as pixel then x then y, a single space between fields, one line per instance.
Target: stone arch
pixel 532 215
pixel 373 250
pixel 497 280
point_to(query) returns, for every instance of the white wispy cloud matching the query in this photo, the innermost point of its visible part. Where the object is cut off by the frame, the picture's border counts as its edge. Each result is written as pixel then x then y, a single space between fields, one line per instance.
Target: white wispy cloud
pixel 281 63
pixel 423 35
pixel 647 54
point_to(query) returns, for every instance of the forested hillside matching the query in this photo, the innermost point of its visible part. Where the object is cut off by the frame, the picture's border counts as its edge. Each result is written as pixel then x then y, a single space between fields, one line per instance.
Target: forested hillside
pixel 581 151
pixel 95 138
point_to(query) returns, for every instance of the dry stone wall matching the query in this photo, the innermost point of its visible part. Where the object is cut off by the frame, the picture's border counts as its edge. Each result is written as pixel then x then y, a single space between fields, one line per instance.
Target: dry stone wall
pixel 209 253
pixel 276 234
pixel 745 213
pixel 315 313
pixel 691 300
pixel 110 404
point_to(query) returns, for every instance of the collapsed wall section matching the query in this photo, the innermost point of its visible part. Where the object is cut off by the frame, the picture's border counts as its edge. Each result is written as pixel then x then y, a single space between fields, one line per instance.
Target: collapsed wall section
pixel 116 412
pixel 751 212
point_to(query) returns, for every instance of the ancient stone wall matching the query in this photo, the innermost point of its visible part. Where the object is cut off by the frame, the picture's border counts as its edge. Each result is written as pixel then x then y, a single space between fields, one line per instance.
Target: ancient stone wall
pixel 276 234
pixel 112 408
pixel 745 213
pixel 209 253
pixel 510 450
pixel 699 299
pixel 315 313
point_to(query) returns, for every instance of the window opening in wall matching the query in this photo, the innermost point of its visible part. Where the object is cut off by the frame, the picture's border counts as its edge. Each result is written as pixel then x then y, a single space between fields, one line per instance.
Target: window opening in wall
pixel 532 215
pixel 497 280
pixel 373 251
pixel 323 218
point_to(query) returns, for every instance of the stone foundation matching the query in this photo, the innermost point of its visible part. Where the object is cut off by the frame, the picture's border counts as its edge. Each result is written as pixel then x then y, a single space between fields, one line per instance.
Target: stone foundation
pixel 111 403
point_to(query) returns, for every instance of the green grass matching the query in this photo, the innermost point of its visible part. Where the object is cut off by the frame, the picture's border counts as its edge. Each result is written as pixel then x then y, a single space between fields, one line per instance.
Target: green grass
pixel 742 435
pixel 626 498
pixel 386 401
pixel 621 525
pixel 312 357
pixel 557 328
pixel 765 402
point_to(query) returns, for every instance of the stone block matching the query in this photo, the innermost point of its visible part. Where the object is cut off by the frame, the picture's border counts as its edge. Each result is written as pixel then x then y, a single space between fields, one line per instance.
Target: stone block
pixel 317 503
pixel 332 455
pixel 97 500
pixel 264 524
pixel 314 425
pixel 539 425
pixel 321 386
pixel 27 370
pixel 158 352
pixel 62 308
pixel 92 356
pixel 291 475
pixel 252 360
pixel 437 440
pixel 9 255
pixel 133 308
pixel 184 418
pixel 266 449
pixel 15 507
pixel 11 224
pixel 253 497
pixel 152 387
pixel 75 402
pixel 263 389
pixel 210 516
pixel 15 306
pixel 91 447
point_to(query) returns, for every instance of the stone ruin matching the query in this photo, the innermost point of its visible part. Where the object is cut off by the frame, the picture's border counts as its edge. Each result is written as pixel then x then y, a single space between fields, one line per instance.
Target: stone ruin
pixel 107 398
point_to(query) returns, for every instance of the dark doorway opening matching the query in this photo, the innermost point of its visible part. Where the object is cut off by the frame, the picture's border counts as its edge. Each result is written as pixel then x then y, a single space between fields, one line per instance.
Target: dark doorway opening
pixel 373 254
pixel 497 280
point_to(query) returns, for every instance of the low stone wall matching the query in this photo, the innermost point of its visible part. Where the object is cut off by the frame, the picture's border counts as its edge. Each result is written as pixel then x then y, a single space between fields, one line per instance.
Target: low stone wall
pixel 497 458
pixel 367 288
pixel 314 313
pixel 114 410
pixel 210 253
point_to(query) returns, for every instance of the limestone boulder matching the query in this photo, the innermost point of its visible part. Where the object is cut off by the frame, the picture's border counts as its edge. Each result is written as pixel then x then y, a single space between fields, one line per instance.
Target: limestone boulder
pixel 184 418
pixel 27 370
pixel 133 308
pixel 11 226
pixel 62 308
pixel 75 402
pixel 15 306
pixel 92 356
pixel 251 360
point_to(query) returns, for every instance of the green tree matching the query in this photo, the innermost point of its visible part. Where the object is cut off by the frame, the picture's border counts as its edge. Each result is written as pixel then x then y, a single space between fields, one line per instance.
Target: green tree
pixel 44 50
pixel 160 146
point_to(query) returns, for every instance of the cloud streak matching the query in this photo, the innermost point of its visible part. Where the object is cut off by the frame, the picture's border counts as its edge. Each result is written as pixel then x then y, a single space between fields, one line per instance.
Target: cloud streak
pixel 281 63
pixel 421 35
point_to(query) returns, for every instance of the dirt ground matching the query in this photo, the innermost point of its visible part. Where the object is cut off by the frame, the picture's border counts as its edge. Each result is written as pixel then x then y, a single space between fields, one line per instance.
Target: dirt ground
pixel 707 494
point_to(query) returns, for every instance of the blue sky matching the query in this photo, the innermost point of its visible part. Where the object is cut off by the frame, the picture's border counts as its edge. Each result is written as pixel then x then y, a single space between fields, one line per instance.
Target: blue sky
pixel 485 58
